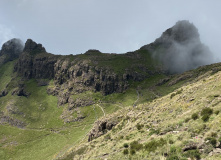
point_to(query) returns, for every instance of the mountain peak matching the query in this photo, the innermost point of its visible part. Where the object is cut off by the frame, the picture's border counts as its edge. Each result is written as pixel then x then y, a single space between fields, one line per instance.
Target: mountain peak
pixel 11 50
pixel 179 48
pixel 182 32
pixel 13 46
pixel 31 46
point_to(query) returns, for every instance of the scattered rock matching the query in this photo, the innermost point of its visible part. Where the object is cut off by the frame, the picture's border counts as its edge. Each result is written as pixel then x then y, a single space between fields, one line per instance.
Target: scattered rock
pixel 11 121
pixel 42 82
pixel 163 81
pixel 3 93
pixel 101 127
pixel 215 151
pixel 20 92
pixel 190 146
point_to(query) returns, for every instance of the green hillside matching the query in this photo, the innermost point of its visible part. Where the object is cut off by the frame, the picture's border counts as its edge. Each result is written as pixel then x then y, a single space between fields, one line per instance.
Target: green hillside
pixel 161 101
pixel 183 124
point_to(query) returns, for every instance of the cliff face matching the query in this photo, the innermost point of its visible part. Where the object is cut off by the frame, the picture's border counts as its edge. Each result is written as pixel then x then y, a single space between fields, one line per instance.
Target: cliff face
pixel 35 62
pixel 82 76
pixel 75 74
pixel 177 50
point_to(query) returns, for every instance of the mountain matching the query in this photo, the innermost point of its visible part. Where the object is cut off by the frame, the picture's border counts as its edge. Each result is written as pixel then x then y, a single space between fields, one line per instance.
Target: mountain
pixel 54 104
pixel 11 50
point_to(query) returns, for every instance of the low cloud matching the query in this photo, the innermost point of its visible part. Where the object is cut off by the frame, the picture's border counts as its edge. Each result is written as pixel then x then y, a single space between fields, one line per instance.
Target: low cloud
pixel 180 49
pixel 5 34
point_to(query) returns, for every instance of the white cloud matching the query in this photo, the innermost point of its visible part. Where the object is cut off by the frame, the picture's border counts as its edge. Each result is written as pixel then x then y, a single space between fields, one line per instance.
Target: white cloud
pixel 74 26
pixel 5 34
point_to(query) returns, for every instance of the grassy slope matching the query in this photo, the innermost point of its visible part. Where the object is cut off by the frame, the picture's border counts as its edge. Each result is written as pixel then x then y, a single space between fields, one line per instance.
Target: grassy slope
pixel 5 74
pixel 169 118
pixel 46 136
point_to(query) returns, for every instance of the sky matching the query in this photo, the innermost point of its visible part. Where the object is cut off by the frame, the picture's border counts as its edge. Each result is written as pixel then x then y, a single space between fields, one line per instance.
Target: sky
pixel 111 26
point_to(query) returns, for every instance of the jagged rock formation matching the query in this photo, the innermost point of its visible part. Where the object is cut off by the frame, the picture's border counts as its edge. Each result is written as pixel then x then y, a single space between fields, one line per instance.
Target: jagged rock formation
pixel 179 48
pixel 40 66
pixel 103 126
pixel 33 47
pixel 35 62
pixel 11 50
pixel 79 73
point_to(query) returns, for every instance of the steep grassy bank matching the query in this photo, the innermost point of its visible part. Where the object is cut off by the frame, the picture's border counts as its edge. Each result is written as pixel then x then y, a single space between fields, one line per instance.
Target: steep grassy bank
pixel 183 124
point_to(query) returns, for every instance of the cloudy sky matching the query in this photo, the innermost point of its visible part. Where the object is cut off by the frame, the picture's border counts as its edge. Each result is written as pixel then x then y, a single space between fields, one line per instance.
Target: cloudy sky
pixel 112 26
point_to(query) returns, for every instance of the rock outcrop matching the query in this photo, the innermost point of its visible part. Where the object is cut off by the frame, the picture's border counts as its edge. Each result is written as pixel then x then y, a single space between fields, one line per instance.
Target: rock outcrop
pixel 11 50
pixel 102 126
pixel 12 121
pixel 35 62
pixel 74 74
pixel 40 66
pixel 33 47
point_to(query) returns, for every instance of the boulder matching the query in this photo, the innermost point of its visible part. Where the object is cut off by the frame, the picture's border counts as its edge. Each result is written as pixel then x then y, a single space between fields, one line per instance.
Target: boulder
pixel 101 127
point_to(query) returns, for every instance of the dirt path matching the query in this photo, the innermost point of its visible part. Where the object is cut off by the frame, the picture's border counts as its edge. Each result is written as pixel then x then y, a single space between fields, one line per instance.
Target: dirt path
pixel 138 97
pixel 154 93
pixel 101 109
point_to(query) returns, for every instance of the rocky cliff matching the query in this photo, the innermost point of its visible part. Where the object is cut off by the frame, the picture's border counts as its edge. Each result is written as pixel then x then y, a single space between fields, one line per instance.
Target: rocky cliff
pixel 177 50
pixel 92 71
pixel 11 50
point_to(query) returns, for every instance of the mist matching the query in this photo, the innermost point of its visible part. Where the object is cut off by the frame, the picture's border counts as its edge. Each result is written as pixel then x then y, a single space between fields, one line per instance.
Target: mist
pixel 73 27
pixel 180 49
pixel 183 57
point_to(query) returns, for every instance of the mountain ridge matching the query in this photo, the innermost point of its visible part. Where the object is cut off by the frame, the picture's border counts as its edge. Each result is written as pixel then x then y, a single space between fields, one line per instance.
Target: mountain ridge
pixel 68 99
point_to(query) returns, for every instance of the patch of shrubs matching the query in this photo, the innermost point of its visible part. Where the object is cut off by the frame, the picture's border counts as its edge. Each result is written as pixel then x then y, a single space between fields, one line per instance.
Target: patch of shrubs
pixel 132 151
pixel 205 113
pixel 172 155
pixel 219 142
pixel 187 120
pixel 193 154
pixel 139 126
pixel 81 150
pixel 205 118
pixel 174 94
pixel 125 151
pixel 153 145
pixel 212 141
pixel 126 145
pixel 136 146
pixel 216 112
pixel 154 131
pixel 195 116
